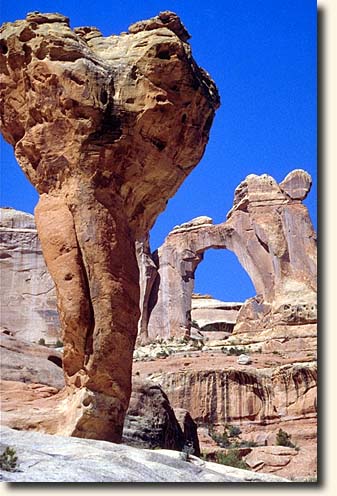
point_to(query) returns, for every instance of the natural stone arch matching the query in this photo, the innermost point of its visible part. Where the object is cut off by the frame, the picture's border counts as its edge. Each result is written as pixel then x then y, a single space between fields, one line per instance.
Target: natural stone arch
pixel 269 230
pixel 172 268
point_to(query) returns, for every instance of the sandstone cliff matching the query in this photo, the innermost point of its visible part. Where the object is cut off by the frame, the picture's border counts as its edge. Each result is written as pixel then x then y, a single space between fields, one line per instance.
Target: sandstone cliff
pixel 275 391
pixel 106 129
pixel 27 292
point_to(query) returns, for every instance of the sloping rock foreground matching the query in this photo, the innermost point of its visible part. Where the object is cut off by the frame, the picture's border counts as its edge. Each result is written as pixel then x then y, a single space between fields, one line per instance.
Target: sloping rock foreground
pixel 46 458
pixel 106 129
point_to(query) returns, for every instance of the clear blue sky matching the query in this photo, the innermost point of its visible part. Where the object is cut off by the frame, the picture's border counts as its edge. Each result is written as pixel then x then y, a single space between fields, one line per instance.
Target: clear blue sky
pixel 262 56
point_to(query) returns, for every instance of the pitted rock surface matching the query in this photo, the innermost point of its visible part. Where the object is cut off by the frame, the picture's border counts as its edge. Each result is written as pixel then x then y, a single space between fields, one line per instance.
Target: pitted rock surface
pixel 106 129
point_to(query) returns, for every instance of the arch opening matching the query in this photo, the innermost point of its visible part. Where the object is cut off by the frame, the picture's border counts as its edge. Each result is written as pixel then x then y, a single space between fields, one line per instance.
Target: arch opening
pixel 221 287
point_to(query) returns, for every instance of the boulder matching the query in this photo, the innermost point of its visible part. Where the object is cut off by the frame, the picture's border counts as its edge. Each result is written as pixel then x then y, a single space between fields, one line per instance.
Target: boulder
pixel 189 428
pixel 106 129
pixel 30 363
pixel 150 421
pixel 244 359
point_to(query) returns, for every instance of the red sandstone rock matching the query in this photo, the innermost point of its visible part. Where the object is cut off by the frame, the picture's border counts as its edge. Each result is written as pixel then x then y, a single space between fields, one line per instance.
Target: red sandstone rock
pixel 273 392
pixel 106 129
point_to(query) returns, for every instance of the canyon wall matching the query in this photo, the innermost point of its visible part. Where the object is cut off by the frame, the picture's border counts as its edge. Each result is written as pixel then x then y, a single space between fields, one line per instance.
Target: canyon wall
pixel 27 292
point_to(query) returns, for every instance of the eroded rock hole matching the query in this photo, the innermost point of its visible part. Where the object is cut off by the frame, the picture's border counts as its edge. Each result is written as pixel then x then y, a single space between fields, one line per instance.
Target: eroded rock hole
pixel 229 282
pixel 3 47
pixel 55 359
pixel 104 97
pixel 161 98
pixel 164 54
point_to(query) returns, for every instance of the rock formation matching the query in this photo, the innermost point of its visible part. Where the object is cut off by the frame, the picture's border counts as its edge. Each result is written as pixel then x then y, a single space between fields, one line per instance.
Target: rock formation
pixel 216 319
pixel 106 129
pixel 276 390
pixel 244 394
pixel 22 361
pixel 151 422
pixel 31 373
pixel 270 231
pixel 27 292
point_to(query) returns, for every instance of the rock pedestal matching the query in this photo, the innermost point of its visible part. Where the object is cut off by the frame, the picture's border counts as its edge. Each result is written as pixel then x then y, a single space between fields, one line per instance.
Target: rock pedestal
pixel 106 129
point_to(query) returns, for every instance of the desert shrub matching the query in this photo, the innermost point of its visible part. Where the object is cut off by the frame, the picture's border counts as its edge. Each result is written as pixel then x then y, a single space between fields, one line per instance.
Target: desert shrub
pixel 162 354
pixel 284 439
pixel 58 344
pixel 236 351
pixel 8 460
pixel 222 440
pixel 42 342
pixel 232 458
pixel 187 451
pixel 230 431
pixel 233 430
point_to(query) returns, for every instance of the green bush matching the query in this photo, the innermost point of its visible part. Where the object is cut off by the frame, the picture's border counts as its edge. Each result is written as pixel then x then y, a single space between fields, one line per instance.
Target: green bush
pixel 232 459
pixel 236 351
pixel 230 431
pixel 58 344
pixel 284 439
pixel 8 460
pixel 234 430
pixel 42 342
pixel 187 451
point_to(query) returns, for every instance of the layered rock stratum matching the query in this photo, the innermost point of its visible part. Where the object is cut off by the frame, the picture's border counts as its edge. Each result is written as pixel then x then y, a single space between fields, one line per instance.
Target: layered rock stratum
pixel 27 292
pixel 106 129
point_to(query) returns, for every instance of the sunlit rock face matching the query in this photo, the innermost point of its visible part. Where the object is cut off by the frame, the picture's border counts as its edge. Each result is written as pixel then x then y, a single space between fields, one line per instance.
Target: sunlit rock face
pixel 27 292
pixel 106 129
pixel 270 231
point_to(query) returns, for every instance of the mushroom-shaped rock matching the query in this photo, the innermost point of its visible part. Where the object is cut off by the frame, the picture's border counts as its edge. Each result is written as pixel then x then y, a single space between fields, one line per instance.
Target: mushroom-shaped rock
pixel 106 129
